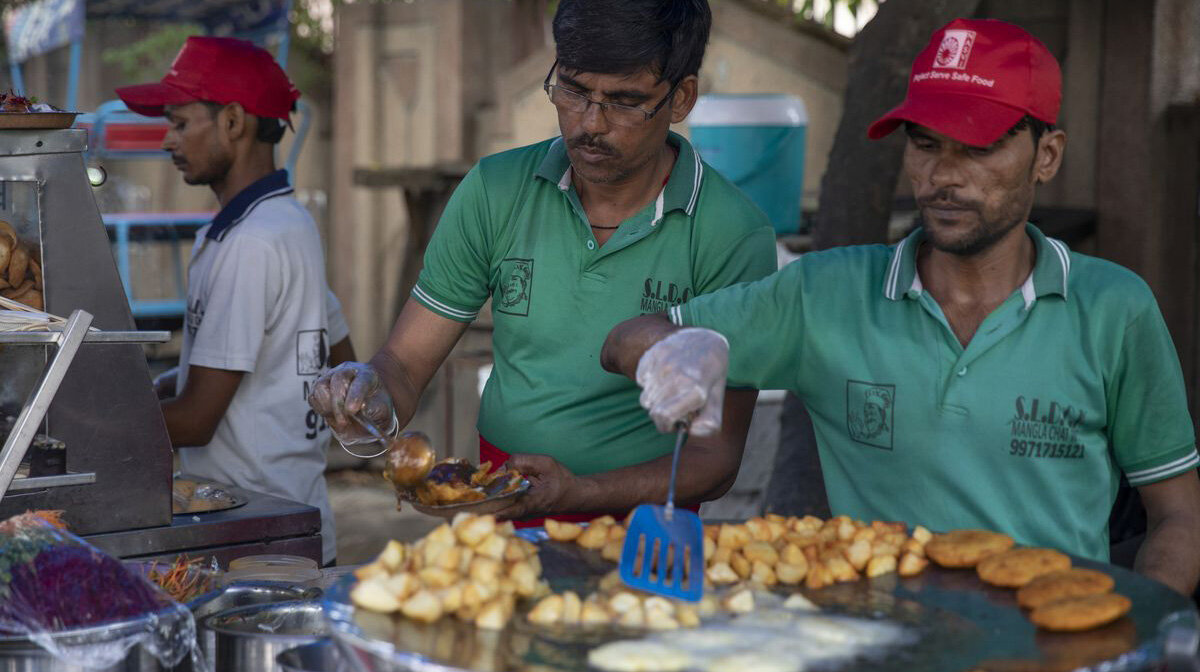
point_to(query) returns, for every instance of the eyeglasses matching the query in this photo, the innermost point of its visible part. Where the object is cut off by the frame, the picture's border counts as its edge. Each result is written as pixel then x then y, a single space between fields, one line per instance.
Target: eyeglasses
pixel 620 115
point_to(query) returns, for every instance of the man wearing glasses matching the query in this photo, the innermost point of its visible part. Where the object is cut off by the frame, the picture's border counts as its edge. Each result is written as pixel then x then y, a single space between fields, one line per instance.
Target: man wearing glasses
pixel 616 218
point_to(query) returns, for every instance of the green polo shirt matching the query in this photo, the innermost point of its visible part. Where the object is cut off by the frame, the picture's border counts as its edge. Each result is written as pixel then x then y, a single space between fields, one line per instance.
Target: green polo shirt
pixel 1067 384
pixel 515 231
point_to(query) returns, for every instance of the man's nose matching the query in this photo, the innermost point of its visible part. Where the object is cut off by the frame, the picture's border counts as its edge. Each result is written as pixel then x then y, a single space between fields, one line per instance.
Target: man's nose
pixel 945 170
pixel 594 121
pixel 168 142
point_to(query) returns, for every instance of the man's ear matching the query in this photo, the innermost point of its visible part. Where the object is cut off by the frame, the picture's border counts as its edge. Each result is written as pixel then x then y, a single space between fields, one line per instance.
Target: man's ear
pixel 234 121
pixel 685 98
pixel 1051 147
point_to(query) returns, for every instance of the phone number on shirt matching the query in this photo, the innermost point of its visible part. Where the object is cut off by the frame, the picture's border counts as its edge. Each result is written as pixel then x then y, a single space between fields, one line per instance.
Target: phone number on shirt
pixel 1022 448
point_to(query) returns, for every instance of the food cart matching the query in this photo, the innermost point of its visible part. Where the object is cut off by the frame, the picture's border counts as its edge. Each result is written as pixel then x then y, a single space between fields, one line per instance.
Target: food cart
pixel 110 470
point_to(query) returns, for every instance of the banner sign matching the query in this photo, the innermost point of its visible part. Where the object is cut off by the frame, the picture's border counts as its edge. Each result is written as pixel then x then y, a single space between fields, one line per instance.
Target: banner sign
pixel 42 26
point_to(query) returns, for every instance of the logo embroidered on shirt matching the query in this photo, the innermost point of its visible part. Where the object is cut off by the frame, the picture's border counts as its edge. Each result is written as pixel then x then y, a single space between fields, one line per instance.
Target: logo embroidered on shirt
pixel 658 296
pixel 516 286
pixel 869 413
pixel 1041 430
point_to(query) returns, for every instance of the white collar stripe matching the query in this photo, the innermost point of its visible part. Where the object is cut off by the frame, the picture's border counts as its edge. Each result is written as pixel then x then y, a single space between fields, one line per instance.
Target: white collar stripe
pixel 1179 464
pixel 691 207
pixel 1064 258
pixel 426 298
pixel 565 182
pixel 894 271
pixel 676 315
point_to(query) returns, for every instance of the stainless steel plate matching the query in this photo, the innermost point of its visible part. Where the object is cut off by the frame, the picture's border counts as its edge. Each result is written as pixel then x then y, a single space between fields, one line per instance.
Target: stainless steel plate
pixel 483 506
pixel 960 623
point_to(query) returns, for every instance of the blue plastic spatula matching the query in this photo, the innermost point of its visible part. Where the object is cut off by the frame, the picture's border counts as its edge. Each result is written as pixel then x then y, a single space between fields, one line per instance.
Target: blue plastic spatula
pixel 664 546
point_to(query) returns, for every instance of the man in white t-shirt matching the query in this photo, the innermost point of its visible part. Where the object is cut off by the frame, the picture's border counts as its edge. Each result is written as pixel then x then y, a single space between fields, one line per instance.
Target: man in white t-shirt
pixel 261 324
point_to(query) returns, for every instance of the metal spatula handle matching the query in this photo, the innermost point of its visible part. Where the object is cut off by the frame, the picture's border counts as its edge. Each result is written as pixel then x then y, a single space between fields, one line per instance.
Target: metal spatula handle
pixel 681 433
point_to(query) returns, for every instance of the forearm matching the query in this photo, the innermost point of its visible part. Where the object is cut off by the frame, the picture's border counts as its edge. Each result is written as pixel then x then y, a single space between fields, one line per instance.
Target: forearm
pixel 1171 553
pixel 401 386
pixel 185 426
pixel 630 339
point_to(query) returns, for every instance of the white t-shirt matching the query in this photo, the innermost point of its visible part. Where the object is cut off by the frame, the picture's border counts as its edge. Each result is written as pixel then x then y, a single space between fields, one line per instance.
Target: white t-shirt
pixel 258 302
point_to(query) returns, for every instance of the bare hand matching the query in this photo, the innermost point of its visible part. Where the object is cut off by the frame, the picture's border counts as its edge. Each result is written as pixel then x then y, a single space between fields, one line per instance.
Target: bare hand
pixel 353 389
pixel 550 483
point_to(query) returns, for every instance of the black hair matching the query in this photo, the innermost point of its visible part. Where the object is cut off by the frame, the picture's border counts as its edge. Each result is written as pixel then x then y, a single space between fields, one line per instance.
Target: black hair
pixel 666 37
pixel 1037 128
pixel 270 130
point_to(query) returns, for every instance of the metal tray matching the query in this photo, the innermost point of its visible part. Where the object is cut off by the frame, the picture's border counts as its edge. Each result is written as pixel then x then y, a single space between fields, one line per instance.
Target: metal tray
pixel 481 507
pixel 36 120
pixel 961 624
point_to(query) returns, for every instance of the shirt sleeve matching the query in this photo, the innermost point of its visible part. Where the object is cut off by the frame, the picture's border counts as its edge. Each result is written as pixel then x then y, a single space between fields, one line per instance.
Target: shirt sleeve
pixel 339 329
pixel 764 323
pixel 1150 430
pixel 454 280
pixel 240 296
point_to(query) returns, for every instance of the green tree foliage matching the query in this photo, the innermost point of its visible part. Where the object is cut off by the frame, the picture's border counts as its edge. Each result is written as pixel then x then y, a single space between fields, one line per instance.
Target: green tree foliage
pixel 147 59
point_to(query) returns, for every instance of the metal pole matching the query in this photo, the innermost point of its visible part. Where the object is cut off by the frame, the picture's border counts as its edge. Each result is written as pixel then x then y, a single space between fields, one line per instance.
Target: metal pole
pixel 73 74
pixel 18 82
pixel 35 408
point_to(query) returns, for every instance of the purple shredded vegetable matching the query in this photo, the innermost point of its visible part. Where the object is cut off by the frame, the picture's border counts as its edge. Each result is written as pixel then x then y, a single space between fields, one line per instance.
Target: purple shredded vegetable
pixel 66 587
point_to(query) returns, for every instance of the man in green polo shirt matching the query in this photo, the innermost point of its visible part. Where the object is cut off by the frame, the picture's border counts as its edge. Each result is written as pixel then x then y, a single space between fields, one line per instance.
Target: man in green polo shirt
pixel 616 218
pixel 978 374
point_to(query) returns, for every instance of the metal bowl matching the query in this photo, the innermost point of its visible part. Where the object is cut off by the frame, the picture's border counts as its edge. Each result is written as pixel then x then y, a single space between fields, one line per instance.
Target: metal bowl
pixel 223 599
pixel 249 638
pixel 482 506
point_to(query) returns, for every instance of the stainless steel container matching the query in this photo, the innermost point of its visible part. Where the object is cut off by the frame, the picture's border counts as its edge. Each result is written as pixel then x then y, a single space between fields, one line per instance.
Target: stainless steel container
pixel 249 638
pixel 320 656
pixel 224 599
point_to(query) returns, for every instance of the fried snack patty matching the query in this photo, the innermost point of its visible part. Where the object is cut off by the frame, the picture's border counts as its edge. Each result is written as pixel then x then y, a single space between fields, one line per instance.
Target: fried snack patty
pixel 1018 566
pixel 1074 582
pixel 965 548
pixel 1080 613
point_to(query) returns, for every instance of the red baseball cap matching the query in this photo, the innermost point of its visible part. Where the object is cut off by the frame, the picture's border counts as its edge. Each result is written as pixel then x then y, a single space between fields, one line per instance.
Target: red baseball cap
pixel 975 80
pixel 220 70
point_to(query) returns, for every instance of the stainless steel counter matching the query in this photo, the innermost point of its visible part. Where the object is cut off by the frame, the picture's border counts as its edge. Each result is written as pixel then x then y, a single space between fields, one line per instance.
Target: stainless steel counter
pixel 265 524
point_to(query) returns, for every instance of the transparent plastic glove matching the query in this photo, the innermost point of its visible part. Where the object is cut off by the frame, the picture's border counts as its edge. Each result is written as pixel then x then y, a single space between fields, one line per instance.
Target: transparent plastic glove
pixel 682 377
pixel 349 391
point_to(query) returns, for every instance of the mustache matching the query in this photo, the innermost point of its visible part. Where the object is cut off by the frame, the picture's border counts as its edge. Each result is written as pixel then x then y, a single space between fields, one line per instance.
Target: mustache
pixel 592 143
pixel 945 198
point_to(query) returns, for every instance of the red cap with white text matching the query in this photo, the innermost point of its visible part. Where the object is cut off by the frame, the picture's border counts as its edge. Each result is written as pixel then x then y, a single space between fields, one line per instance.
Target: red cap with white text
pixel 218 70
pixel 975 80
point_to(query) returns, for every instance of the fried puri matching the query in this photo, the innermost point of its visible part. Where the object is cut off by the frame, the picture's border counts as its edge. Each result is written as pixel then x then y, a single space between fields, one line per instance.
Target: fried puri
pixel 965 548
pixel 1073 614
pixel 1018 566
pixel 1074 582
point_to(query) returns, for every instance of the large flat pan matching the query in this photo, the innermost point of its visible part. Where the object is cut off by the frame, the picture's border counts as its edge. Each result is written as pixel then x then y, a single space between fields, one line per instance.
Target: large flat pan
pixel 962 624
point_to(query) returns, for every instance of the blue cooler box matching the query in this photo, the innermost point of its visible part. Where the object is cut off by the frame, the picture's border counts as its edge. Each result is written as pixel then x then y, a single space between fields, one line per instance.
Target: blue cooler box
pixel 757 142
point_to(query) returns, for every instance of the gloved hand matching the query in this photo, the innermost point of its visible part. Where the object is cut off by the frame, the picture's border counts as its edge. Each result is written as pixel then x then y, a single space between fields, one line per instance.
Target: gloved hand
pixel 683 377
pixel 353 389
